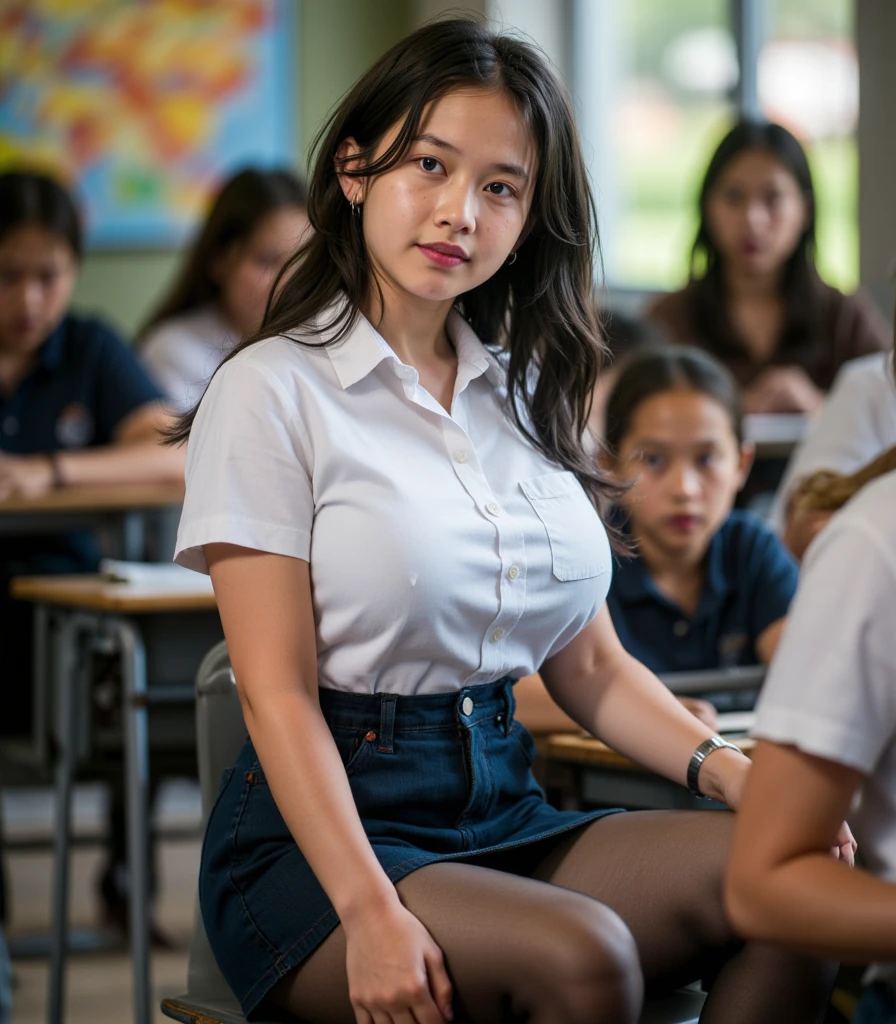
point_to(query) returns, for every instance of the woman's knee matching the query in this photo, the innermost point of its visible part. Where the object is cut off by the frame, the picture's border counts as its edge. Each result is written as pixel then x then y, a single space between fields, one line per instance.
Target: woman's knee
pixel 590 968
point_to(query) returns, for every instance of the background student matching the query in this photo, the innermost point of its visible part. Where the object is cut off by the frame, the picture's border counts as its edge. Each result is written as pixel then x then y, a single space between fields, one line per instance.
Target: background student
pixel 75 408
pixel 827 728
pixel 706 587
pixel 754 298
pixel 256 222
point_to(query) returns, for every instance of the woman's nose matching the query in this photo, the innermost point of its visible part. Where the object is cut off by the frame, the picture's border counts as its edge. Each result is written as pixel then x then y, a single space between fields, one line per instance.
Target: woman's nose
pixel 457 207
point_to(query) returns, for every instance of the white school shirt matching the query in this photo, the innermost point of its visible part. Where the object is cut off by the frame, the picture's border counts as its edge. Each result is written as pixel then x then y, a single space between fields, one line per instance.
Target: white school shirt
pixel 444 550
pixel 856 423
pixel 182 352
pixel 831 688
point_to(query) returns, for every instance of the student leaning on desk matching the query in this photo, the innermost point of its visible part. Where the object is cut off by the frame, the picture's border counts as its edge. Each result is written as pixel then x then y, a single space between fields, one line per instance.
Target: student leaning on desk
pixel 75 406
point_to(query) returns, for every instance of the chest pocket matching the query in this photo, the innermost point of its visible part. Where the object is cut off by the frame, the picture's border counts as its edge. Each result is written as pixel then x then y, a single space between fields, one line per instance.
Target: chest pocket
pixel 579 545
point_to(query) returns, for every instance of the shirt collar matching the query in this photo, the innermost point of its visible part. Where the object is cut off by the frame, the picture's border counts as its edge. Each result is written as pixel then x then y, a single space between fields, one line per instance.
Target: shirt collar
pixel 363 348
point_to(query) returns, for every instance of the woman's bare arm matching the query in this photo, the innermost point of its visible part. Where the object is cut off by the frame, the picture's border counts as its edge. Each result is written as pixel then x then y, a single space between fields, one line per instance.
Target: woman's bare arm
pixel 782 884
pixel 610 694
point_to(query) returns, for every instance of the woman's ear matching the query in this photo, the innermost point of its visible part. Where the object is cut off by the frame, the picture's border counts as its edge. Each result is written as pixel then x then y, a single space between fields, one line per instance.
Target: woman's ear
pixel 747 455
pixel 347 155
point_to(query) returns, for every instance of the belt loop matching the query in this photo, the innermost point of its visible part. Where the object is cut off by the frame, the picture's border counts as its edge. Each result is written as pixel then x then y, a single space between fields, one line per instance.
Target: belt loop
pixel 387 722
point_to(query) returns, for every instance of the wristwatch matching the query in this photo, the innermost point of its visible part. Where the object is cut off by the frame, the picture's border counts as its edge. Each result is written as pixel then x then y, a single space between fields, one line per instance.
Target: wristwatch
pixel 700 755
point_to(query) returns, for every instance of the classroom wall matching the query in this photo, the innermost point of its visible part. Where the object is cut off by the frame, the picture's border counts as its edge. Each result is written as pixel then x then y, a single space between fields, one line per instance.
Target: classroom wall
pixel 336 40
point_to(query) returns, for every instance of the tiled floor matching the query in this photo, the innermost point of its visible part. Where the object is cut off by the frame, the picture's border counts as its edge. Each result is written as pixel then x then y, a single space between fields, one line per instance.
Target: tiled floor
pixel 98 984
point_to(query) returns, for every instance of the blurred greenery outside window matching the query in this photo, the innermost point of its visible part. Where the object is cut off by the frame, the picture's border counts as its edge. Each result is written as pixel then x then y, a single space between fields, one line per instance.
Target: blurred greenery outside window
pixel 671 87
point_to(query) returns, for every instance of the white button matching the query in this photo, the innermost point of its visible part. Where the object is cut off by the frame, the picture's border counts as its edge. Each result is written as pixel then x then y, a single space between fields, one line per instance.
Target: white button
pixel 681 628
pixel 460 455
pixel 494 508
pixel 513 572
pixel 496 636
pixel 467 706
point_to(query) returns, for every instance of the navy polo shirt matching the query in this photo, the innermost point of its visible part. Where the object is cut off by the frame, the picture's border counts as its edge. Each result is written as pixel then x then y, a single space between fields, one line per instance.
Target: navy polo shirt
pixel 750 580
pixel 84 382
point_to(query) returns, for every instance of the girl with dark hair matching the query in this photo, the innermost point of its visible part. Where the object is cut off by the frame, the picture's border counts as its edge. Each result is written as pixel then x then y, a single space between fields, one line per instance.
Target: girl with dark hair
pixel 75 408
pixel 708 587
pixel 389 488
pixel 754 299
pixel 256 222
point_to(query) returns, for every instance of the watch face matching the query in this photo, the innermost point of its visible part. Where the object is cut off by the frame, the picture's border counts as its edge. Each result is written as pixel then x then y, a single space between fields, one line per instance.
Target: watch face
pixel 74 427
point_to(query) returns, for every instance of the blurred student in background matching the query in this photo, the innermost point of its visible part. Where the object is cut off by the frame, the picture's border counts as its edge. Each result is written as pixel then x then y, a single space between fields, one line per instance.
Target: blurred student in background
pixel 256 222
pixel 755 299
pixel 76 407
pixel 707 587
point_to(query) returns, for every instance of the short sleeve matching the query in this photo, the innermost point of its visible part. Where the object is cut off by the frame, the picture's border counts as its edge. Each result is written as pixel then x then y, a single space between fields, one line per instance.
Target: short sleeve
pixel 831 689
pixel 774 579
pixel 248 469
pixel 122 385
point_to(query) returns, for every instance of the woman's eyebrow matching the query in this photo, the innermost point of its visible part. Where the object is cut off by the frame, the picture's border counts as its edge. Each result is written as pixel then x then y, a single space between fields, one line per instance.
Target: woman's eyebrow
pixel 434 140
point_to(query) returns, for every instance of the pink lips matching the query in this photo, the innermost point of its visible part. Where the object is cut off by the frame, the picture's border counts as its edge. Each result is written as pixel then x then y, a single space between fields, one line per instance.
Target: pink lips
pixel 443 254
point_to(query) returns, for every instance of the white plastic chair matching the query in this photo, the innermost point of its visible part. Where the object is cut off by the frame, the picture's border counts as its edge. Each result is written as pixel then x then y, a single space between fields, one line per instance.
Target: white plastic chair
pixel 220 732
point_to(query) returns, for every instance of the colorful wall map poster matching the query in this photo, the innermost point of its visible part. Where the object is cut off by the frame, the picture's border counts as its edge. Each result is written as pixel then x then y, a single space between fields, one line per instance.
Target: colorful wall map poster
pixel 144 105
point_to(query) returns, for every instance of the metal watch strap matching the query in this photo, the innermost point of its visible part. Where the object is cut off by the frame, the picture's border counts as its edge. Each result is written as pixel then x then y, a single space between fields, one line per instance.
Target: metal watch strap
pixel 699 756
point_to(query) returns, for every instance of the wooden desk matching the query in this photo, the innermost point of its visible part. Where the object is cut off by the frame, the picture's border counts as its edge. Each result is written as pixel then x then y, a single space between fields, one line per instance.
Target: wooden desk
pixel 123 507
pixel 604 777
pixel 162 635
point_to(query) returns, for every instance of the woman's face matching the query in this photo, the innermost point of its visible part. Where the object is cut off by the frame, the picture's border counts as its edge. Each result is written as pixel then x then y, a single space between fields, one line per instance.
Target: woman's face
pixel 248 269
pixel 756 213
pixel 682 458
pixel 38 271
pixel 449 214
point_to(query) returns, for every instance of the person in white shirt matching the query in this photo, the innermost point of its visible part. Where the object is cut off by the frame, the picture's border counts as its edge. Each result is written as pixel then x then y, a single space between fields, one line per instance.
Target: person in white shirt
pixel 256 222
pixel 827 728
pixel 389 486
pixel 856 423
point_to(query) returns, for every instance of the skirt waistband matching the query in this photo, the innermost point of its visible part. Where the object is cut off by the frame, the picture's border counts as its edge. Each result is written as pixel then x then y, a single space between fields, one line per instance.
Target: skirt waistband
pixel 392 713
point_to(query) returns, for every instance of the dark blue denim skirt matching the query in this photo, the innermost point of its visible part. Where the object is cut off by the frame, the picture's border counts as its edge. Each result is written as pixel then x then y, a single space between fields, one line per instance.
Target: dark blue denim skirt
pixel 435 778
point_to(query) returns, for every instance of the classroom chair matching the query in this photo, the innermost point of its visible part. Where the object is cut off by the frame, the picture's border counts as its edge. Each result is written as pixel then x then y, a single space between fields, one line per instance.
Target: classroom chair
pixel 220 732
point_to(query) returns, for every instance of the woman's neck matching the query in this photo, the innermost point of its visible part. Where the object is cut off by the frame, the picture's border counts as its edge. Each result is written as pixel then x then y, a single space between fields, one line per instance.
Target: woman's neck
pixel 677 576
pixel 414 329
pixel 753 287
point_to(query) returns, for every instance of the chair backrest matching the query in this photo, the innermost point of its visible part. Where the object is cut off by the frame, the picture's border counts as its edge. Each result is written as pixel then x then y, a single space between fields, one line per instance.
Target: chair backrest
pixel 220 733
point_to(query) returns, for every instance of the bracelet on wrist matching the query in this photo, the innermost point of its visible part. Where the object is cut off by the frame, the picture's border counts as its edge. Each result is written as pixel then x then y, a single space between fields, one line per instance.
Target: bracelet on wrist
pixel 699 756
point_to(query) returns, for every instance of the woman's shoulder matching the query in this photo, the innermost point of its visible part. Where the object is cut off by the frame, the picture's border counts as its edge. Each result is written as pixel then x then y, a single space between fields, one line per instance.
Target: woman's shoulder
pixel 203 327
pixel 854 319
pixel 673 312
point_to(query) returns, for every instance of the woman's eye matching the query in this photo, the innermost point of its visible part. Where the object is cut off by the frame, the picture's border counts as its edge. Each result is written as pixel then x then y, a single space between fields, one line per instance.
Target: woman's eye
pixel 495 188
pixel 652 460
pixel 706 460
pixel 430 164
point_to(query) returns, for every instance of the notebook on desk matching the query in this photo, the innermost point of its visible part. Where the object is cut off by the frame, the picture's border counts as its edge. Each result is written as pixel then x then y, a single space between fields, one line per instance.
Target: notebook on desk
pixel 164 575
pixel 736 723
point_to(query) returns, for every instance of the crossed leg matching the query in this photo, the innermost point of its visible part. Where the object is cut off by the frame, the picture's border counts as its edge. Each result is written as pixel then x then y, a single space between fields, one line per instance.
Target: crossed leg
pixel 630 899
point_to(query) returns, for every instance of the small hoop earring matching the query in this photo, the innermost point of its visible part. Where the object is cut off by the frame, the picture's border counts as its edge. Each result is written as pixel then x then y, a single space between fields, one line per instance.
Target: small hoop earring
pixel 352 204
pixel 511 259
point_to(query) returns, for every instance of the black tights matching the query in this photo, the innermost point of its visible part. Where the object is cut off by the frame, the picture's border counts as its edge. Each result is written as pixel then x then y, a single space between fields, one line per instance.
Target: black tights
pixel 630 901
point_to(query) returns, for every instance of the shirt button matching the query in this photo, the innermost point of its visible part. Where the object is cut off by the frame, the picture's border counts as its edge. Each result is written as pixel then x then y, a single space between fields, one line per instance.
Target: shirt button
pixel 513 572
pixel 467 706
pixel 496 636
pixel 494 508
pixel 460 455
pixel 681 628
pixel 10 426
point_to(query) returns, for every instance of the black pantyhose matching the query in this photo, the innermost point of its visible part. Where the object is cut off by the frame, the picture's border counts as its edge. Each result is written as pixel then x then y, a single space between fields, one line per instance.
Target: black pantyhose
pixel 552 947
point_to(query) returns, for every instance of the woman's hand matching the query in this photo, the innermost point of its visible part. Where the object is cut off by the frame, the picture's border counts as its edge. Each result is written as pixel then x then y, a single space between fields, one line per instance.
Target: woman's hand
pixel 846 847
pixel 701 709
pixel 30 475
pixel 782 389
pixel 396 973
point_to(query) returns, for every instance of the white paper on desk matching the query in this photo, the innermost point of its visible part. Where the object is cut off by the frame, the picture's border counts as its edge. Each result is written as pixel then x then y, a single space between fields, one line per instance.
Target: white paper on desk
pixel 164 575
pixel 736 722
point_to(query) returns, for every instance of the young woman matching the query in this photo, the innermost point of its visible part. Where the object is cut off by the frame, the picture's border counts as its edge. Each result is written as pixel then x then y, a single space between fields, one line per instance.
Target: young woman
pixel 75 408
pixel 708 587
pixel 255 224
pixel 754 299
pixel 827 728
pixel 398 522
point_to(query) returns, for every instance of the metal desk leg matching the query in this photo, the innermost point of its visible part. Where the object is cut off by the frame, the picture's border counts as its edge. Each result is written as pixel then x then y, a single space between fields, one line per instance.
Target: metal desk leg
pixel 66 687
pixel 136 739
pixel 133 535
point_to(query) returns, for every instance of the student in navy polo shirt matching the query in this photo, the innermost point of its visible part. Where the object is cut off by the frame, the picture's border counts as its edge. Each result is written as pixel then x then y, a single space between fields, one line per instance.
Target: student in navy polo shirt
pixel 707 586
pixel 75 407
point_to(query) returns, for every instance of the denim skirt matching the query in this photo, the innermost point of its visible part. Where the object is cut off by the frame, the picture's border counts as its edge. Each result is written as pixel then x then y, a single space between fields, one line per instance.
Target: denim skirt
pixel 435 778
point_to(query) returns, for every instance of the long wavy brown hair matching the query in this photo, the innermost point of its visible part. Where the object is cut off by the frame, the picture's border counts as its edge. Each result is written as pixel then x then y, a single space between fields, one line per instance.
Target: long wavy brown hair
pixel 539 309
